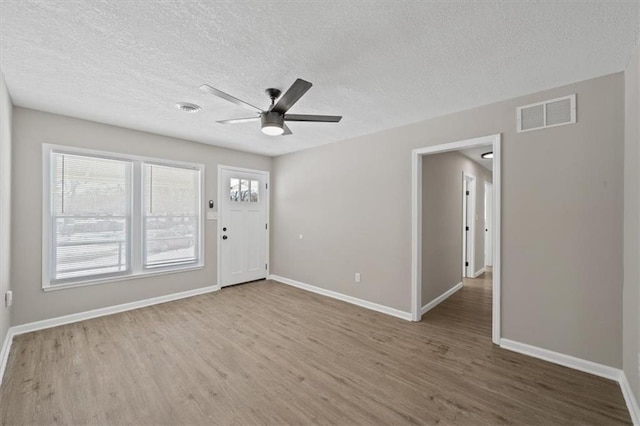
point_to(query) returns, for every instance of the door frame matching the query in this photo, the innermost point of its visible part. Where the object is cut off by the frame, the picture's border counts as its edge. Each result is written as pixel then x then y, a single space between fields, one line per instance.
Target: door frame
pixel 220 192
pixel 416 224
pixel 468 244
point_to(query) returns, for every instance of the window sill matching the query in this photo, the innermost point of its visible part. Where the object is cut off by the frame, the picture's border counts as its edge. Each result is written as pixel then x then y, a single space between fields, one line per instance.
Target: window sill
pixel 166 271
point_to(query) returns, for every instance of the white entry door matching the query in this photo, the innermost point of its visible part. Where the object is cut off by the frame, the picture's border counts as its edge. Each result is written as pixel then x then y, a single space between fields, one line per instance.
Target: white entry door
pixel 242 225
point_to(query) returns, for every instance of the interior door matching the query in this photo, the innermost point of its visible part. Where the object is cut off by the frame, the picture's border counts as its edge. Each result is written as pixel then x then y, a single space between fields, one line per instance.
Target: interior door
pixel 488 214
pixel 242 225
pixel 466 228
pixel 468 225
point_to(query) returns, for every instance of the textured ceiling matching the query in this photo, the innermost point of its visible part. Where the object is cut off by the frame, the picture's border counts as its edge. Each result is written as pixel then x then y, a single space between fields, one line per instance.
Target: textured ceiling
pixel 379 64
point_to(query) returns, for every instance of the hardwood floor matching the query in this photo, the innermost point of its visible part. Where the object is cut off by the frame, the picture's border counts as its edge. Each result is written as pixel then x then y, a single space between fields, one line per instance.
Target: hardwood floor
pixel 266 353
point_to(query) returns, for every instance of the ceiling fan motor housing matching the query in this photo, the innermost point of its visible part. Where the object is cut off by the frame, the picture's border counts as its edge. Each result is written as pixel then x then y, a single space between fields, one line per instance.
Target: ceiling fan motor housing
pixel 272 119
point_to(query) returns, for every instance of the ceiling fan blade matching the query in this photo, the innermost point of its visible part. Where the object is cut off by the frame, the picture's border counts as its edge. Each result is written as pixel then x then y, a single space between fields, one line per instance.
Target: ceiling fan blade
pixel 287 130
pixel 219 93
pixel 295 92
pixel 316 118
pixel 238 120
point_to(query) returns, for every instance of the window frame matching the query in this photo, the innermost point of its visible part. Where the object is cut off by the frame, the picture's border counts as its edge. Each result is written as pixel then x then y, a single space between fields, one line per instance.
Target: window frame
pixel 145 265
pixel 135 231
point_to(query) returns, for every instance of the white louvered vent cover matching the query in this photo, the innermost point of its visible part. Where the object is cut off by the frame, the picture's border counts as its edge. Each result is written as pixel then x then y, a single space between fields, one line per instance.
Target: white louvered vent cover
pixel 551 113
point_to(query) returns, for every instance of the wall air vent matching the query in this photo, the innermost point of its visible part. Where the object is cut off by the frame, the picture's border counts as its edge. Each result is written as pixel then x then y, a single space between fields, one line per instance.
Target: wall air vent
pixel 551 113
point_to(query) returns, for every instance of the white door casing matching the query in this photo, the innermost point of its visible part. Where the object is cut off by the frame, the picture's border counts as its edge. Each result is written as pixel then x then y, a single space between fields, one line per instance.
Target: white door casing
pixel 416 224
pixel 243 235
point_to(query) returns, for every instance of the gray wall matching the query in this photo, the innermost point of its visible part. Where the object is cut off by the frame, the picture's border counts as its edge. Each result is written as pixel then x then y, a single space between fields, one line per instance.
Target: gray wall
pixel 631 301
pixel 442 220
pixel 33 128
pixel 561 230
pixel 6 109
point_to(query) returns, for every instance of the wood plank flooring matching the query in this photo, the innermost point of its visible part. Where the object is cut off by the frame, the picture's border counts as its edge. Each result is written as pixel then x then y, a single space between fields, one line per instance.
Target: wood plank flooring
pixel 266 353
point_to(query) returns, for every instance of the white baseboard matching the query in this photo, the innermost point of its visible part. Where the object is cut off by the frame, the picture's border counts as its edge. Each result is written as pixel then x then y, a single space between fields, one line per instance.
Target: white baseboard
pixel 562 359
pixel 349 299
pixel 630 399
pixel 435 302
pixel 479 272
pixel 95 313
pixel 109 310
pixel 590 367
pixel 4 353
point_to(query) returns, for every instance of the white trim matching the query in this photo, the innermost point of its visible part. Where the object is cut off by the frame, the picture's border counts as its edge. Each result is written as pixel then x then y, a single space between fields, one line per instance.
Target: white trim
pixel 416 235
pixel 109 310
pixel 496 257
pixel 562 359
pixel 580 364
pixel 221 193
pixel 444 296
pixel 113 279
pixel 349 299
pixel 4 354
pixel 95 313
pixel 120 156
pixel 479 272
pixel 416 223
pixel 630 399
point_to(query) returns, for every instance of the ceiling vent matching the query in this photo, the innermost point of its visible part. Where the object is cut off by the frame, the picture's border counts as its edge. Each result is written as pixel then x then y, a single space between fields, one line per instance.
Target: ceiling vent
pixel 555 112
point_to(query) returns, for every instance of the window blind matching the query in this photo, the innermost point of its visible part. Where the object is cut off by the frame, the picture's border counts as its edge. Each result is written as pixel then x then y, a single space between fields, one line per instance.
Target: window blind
pixel 91 216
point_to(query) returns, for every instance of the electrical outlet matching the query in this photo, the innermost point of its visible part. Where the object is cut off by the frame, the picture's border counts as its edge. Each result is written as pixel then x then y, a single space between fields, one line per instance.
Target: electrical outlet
pixel 357 277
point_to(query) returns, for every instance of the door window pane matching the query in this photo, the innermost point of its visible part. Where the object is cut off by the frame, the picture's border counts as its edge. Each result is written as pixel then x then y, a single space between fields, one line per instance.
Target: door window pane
pixel 234 189
pixel 255 191
pixel 244 190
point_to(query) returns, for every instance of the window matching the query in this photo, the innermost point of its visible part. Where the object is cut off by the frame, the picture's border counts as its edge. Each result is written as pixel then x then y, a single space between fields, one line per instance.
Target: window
pixel 108 216
pixel 171 220
pixel 91 216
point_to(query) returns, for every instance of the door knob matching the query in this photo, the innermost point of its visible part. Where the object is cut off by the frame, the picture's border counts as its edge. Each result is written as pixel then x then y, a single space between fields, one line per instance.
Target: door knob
pixel 224 237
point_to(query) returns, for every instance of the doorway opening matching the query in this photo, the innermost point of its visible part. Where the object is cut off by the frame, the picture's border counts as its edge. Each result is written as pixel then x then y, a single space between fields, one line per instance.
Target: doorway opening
pixel 469 183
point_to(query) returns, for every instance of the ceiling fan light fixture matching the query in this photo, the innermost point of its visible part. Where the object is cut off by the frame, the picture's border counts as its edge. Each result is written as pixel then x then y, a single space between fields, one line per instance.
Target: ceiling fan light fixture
pixel 272 130
pixel 272 123
pixel 487 155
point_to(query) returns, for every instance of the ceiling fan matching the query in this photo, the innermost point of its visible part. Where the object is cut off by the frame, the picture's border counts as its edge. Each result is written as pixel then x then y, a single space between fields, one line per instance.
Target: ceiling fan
pixel 273 119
